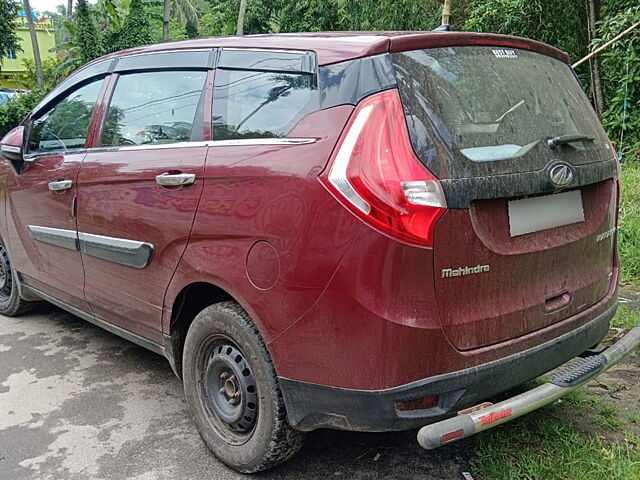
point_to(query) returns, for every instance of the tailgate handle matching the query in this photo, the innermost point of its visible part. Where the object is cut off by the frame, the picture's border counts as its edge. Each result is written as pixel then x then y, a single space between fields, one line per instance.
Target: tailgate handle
pixel 557 302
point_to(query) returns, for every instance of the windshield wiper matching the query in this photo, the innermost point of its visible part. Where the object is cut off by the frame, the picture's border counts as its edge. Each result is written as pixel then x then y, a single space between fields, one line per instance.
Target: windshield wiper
pixel 562 139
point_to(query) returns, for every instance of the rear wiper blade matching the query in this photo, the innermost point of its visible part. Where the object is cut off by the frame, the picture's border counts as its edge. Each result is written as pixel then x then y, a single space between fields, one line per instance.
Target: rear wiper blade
pixel 562 139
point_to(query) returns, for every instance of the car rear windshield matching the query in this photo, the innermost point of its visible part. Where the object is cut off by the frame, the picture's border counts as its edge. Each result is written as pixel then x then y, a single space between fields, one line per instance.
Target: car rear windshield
pixel 476 111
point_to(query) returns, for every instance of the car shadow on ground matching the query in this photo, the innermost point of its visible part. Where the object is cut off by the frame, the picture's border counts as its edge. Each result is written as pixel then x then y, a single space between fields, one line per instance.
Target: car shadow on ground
pixel 134 403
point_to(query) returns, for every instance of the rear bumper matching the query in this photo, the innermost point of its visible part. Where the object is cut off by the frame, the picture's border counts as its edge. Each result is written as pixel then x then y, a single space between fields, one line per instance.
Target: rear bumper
pixel 311 406
pixel 569 378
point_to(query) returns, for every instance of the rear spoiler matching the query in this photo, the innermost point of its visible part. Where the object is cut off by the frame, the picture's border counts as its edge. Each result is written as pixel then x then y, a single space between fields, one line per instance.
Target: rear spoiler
pixel 436 39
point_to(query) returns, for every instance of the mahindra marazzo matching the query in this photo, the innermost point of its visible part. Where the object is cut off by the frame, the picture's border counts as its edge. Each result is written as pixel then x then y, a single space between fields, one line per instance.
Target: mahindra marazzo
pixel 366 231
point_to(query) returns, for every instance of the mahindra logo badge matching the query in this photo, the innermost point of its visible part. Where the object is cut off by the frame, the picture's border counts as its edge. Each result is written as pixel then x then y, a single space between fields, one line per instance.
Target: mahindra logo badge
pixel 561 175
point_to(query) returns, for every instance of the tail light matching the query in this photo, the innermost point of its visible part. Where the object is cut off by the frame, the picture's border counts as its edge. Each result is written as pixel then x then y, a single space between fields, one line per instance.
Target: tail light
pixel 375 173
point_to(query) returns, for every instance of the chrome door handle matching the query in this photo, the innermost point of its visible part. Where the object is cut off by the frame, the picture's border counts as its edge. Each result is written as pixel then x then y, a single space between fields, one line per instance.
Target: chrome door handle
pixel 175 179
pixel 60 185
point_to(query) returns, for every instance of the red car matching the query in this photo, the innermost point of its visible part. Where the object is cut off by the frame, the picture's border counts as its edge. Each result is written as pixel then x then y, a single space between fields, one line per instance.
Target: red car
pixel 356 231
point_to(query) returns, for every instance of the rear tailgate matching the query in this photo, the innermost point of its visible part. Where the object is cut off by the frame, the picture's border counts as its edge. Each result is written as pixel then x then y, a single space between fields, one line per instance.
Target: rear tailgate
pixel 480 118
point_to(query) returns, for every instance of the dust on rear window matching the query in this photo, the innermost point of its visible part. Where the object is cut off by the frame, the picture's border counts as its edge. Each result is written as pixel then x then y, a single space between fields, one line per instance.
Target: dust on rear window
pixel 475 111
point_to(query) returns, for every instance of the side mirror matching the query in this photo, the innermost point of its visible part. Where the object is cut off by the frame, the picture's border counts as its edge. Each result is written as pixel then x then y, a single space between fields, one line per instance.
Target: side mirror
pixel 11 145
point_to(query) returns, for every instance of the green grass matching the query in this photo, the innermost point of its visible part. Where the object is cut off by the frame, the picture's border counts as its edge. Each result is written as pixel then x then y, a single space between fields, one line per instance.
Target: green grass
pixel 629 225
pixel 560 441
pixel 625 317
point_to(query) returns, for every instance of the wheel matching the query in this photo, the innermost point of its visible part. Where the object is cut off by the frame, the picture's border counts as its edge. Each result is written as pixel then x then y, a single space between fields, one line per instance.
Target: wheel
pixel 11 304
pixel 233 393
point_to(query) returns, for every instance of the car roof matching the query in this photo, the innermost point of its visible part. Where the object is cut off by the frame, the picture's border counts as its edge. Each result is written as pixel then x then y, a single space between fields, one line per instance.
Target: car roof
pixel 334 47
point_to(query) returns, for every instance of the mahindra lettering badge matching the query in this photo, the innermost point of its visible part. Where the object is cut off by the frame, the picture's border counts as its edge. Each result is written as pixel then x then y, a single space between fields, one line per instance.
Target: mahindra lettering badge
pixel 561 175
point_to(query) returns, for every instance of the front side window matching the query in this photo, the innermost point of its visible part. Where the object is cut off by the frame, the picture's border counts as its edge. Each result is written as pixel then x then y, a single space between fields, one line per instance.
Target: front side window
pixel 153 108
pixel 254 104
pixel 64 126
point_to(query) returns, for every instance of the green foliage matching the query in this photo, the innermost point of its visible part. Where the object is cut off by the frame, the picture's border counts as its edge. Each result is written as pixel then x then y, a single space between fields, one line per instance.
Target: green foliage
pixel 561 23
pixel 50 71
pixel 621 75
pixel 87 36
pixel 629 224
pixel 135 30
pixel 19 107
pixel 8 37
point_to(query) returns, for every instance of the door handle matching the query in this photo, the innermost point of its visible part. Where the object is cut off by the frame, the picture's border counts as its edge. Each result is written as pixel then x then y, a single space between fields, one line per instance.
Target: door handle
pixel 60 185
pixel 175 179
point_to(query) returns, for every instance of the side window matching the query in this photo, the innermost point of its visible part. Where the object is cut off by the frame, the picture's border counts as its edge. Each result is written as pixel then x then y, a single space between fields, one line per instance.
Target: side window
pixel 65 125
pixel 252 104
pixel 153 107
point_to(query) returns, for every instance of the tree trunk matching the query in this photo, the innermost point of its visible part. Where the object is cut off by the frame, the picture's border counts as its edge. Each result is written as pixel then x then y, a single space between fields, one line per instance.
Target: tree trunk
pixel 241 13
pixel 34 44
pixel 166 16
pixel 593 15
pixel 69 8
pixel 446 12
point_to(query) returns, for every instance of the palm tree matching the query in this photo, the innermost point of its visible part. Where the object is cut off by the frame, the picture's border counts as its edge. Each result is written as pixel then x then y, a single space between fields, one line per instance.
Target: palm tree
pixel 182 9
pixel 34 43
pixel 241 13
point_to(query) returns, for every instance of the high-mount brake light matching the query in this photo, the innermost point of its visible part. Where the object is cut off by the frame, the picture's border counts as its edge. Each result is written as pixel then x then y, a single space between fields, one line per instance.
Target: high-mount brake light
pixel 376 174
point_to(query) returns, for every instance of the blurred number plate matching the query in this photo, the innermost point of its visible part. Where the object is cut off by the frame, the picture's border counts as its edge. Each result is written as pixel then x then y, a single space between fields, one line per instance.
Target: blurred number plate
pixel 540 213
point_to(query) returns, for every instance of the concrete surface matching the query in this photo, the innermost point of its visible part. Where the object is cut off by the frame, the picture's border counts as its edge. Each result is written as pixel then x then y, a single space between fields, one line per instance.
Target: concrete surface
pixel 77 402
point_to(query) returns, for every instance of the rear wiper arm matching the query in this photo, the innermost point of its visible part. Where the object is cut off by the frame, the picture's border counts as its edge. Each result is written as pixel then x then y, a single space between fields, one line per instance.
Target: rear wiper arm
pixel 562 139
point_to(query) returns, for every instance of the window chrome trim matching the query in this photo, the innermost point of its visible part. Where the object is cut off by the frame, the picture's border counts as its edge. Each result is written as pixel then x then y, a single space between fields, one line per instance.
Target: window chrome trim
pixel 207 143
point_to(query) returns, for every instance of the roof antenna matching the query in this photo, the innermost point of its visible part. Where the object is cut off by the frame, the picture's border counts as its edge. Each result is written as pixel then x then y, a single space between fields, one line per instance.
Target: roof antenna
pixel 445 27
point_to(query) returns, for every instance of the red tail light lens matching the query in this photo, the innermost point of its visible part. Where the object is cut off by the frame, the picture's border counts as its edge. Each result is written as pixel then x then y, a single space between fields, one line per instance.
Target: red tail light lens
pixel 377 176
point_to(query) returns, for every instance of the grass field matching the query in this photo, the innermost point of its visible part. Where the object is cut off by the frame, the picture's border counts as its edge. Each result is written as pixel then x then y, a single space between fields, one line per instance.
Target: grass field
pixel 593 433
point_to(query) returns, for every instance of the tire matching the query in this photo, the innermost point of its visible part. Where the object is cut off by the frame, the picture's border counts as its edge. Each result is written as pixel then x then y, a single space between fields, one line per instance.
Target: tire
pixel 11 304
pixel 232 390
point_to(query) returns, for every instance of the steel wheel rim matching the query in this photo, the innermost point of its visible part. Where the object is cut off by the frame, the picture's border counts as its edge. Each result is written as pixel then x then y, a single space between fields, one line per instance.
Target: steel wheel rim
pixel 227 390
pixel 6 277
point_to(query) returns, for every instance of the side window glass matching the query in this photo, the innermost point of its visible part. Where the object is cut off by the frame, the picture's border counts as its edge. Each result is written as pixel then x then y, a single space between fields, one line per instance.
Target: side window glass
pixel 65 125
pixel 153 107
pixel 253 104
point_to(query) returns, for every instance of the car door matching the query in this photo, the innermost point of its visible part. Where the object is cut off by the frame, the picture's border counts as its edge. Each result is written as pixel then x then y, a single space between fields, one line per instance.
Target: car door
pixel 138 191
pixel 42 195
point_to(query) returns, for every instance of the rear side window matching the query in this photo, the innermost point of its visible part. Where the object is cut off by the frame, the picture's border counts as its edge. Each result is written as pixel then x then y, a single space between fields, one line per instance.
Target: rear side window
pixel 153 107
pixel 64 126
pixel 254 104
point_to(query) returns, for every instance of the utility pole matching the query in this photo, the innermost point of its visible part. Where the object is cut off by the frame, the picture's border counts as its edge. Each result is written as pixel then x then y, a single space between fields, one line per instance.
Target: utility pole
pixel 446 12
pixel 34 44
pixel 241 14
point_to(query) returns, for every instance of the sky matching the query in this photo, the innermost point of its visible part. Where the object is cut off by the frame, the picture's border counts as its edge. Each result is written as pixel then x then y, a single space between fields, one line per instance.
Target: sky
pixel 50 5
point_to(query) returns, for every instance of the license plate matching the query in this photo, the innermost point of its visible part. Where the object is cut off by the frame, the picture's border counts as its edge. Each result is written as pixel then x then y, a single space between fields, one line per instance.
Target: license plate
pixel 541 213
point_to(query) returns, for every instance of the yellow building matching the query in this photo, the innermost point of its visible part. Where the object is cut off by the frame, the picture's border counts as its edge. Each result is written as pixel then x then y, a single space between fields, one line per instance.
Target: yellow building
pixel 12 71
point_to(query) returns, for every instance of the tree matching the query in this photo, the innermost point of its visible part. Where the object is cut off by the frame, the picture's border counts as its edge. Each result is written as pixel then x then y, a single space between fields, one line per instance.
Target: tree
pixel 87 38
pixel 8 37
pixel 135 30
pixel 69 8
pixel 34 43
pixel 184 10
pixel 593 16
pixel 241 13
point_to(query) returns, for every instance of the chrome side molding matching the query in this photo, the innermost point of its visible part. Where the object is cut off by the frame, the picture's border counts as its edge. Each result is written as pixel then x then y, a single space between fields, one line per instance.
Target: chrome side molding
pixel 54 236
pixel 131 253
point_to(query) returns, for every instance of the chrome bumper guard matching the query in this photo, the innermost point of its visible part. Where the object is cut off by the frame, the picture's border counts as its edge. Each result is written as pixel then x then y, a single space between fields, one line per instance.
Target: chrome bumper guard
pixel 476 419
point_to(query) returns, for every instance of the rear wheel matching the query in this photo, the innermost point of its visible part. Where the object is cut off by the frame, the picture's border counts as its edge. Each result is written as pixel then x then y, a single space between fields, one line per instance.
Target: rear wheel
pixel 11 304
pixel 232 390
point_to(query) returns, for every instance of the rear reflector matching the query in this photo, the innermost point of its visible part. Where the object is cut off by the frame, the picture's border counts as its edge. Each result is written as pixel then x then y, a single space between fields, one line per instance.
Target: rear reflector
pixel 422 403
pixel 376 175
pixel 448 437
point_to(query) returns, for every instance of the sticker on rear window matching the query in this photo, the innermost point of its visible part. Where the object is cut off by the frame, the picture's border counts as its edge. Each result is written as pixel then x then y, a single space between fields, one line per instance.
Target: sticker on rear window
pixel 501 53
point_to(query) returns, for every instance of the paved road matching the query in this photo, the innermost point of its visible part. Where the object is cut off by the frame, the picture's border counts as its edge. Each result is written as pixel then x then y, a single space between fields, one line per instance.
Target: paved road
pixel 77 402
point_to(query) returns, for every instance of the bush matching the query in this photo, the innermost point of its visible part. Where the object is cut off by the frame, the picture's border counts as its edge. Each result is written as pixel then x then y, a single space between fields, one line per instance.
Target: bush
pixel 19 107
